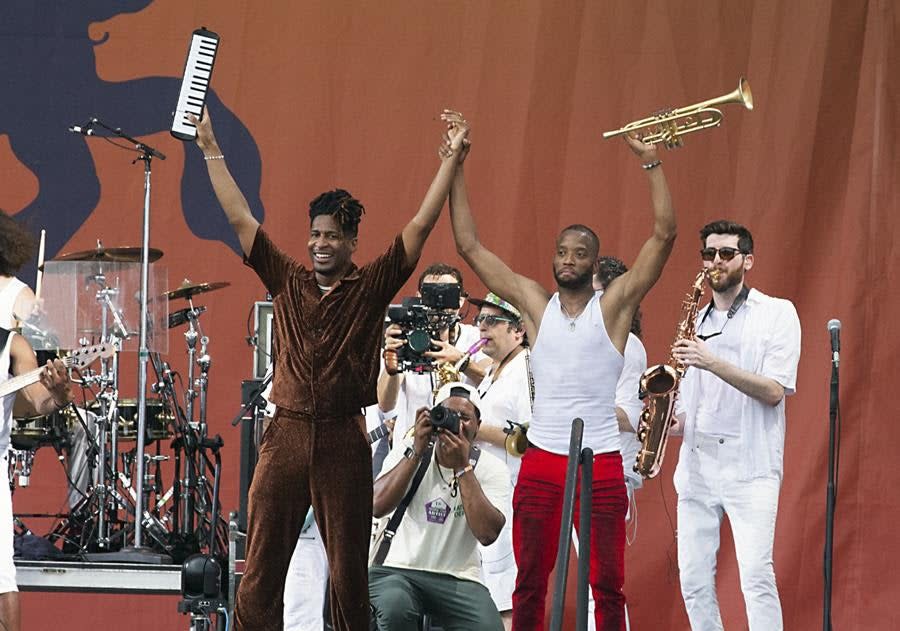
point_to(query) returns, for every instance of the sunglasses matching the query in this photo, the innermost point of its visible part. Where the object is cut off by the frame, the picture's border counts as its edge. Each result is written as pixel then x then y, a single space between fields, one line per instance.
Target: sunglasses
pixel 726 253
pixel 491 320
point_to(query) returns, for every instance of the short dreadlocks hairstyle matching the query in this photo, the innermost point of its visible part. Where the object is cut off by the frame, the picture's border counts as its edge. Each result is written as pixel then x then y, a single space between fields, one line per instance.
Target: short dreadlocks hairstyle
pixel 16 245
pixel 347 210
pixel 610 269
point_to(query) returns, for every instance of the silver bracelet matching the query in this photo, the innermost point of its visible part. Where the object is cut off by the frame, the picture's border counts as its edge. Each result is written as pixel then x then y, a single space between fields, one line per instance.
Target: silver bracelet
pixel 222 157
pixel 647 167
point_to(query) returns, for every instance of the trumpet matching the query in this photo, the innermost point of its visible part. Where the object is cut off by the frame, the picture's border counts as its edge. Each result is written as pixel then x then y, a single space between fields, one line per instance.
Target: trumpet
pixel 668 126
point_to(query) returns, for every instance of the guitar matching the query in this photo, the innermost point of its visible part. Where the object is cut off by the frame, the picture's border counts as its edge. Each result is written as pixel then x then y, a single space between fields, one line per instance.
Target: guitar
pixel 80 358
pixel 376 434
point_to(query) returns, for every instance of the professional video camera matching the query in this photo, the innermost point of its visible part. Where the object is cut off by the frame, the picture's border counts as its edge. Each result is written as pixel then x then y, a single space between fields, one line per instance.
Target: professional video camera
pixel 444 418
pixel 421 320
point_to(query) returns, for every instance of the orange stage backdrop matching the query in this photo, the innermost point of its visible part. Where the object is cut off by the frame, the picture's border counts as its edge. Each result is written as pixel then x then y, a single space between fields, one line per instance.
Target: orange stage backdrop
pixel 347 94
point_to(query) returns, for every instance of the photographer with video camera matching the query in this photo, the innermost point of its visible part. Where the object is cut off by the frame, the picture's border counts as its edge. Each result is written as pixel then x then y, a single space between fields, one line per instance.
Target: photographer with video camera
pixel 425 332
pixel 443 497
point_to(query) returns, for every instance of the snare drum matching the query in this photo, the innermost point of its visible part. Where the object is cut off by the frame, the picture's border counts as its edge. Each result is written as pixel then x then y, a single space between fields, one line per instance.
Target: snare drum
pixel 159 420
pixel 29 433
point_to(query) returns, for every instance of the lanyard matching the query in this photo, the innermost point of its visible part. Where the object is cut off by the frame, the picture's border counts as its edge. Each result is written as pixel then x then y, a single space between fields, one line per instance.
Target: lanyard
pixel 737 304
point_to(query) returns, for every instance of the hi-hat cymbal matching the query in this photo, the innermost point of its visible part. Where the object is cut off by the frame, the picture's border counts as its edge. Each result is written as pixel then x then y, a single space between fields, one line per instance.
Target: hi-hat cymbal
pixel 111 255
pixel 188 289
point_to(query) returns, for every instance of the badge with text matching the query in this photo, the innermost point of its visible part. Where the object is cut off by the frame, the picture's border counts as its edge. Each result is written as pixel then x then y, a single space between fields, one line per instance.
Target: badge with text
pixel 436 511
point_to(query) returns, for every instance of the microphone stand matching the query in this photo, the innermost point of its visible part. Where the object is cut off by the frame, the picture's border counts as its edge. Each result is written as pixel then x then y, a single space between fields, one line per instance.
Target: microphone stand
pixel 830 495
pixel 140 554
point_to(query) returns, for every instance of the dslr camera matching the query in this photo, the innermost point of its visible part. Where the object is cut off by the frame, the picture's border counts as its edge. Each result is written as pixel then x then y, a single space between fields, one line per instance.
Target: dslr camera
pixel 421 320
pixel 444 418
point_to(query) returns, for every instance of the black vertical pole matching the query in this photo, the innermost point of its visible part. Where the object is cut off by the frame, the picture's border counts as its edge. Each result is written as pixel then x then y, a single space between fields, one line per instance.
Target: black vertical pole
pixel 568 510
pixel 584 538
pixel 830 496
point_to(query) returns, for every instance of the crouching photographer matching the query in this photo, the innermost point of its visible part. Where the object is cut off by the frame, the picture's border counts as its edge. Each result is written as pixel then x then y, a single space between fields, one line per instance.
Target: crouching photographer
pixel 438 497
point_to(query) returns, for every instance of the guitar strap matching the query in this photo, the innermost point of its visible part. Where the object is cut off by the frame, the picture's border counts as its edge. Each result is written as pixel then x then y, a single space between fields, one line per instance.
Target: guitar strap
pixel 391 529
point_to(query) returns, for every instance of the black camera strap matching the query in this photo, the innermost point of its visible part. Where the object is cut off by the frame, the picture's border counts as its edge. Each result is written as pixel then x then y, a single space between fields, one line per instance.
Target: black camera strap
pixel 391 529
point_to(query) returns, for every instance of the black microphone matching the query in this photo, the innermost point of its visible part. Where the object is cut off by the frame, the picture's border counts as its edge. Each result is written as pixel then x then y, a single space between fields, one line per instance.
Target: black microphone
pixel 834 327
pixel 84 131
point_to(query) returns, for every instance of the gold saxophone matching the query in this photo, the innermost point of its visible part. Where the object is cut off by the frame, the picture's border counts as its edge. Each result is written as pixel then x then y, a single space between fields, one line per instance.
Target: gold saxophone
pixel 446 372
pixel 659 389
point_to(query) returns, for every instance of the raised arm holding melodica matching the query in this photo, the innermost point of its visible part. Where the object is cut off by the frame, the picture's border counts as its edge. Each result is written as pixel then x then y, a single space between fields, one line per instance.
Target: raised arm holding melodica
pixel 230 197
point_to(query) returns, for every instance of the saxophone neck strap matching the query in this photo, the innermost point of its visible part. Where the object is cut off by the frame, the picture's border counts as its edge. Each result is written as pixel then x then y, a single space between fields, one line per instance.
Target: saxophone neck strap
pixel 739 301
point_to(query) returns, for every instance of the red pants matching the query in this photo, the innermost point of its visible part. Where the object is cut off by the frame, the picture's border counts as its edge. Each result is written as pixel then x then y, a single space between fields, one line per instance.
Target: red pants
pixel 537 512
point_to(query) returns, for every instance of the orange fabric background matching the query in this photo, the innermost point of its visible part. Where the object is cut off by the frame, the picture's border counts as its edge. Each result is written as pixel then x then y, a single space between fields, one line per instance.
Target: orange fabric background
pixel 348 93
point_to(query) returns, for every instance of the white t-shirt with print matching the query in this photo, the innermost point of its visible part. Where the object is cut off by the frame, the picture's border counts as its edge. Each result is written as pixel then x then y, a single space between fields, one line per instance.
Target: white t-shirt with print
pixel 434 535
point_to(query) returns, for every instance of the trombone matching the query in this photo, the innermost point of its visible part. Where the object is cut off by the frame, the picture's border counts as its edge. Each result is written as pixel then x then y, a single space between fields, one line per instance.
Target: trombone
pixel 668 126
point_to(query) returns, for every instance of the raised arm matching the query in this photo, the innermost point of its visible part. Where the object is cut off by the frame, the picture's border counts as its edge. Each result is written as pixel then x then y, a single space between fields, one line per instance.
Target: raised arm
pixel 624 295
pixel 417 230
pixel 227 192
pixel 521 291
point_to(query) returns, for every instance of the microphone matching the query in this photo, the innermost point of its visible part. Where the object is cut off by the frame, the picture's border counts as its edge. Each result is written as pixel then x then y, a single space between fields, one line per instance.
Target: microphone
pixel 86 130
pixel 834 328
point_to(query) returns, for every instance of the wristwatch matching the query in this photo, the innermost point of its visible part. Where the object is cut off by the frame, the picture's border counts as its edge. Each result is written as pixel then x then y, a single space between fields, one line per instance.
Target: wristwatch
pixel 410 454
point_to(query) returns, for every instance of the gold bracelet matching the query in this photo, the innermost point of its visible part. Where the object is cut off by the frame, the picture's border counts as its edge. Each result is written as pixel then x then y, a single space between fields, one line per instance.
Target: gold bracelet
pixel 218 157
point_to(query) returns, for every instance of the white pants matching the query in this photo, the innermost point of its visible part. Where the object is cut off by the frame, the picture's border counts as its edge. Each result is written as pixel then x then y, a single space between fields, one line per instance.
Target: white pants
pixel 711 488
pixel 7 567
pixel 304 587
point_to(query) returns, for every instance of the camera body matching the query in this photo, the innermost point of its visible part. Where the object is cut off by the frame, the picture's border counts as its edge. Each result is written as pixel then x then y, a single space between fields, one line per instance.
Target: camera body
pixel 444 418
pixel 421 320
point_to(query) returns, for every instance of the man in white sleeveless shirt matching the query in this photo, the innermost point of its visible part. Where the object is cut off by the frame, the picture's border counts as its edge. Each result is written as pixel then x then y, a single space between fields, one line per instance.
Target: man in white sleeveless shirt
pixel 578 344
pixel 743 363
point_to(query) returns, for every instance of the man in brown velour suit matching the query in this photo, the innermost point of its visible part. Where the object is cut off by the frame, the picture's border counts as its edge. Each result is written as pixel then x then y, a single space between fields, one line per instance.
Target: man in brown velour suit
pixel 328 323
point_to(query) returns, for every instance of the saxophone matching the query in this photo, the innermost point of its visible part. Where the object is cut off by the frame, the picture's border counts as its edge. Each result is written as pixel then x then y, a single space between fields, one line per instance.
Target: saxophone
pixel 659 389
pixel 446 372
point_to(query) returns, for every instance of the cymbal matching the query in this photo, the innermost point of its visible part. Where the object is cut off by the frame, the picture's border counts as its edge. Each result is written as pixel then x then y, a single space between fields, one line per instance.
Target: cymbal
pixel 111 255
pixel 188 289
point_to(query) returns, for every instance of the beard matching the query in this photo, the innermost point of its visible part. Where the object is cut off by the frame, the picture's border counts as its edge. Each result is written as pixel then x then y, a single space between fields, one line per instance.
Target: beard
pixel 728 280
pixel 579 281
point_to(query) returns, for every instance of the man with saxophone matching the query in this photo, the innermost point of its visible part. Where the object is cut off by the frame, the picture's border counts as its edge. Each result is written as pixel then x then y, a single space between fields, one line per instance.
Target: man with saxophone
pixel 506 396
pixel 731 407
pixel 576 359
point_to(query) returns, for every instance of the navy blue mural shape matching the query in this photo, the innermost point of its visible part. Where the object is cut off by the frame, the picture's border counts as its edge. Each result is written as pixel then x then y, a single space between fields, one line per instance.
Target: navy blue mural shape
pixel 49 81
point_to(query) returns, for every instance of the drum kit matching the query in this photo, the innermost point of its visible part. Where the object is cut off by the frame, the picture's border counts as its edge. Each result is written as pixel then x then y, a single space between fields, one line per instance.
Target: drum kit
pixel 115 475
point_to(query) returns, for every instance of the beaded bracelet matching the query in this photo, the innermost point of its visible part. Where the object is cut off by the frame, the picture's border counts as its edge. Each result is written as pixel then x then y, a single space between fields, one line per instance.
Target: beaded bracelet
pixel 222 157
pixel 652 165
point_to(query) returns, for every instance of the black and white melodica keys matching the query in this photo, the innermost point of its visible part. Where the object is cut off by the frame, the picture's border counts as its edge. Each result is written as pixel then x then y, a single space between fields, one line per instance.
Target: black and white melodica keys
pixel 197 74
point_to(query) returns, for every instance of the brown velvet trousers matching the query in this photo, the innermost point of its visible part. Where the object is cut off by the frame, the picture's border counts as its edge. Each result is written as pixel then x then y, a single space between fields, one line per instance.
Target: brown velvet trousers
pixel 326 463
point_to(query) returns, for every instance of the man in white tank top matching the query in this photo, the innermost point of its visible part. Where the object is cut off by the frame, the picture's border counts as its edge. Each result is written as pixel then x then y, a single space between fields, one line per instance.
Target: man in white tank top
pixel 743 363
pixel 50 393
pixel 577 356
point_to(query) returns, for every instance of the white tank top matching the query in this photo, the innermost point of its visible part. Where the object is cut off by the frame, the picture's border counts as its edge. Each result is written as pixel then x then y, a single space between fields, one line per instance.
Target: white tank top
pixel 8 297
pixel 6 403
pixel 576 368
